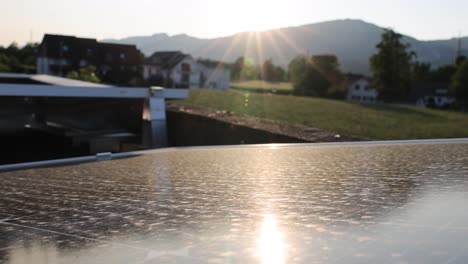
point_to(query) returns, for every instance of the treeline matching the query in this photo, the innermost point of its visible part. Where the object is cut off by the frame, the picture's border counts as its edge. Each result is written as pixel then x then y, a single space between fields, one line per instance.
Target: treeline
pixel 310 75
pixel 395 70
pixel 244 69
pixel 317 76
pixel 16 59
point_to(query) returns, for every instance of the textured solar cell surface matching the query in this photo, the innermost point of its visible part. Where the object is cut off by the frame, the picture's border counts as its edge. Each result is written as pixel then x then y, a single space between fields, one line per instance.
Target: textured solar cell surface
pixel 382 203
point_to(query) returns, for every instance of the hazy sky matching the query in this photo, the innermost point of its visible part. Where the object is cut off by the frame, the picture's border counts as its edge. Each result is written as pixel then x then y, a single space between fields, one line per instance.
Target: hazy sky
pixel 423 19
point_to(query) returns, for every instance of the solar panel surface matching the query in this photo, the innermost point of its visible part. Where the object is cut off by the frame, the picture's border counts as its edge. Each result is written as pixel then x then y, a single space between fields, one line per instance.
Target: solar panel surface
pixel 380 203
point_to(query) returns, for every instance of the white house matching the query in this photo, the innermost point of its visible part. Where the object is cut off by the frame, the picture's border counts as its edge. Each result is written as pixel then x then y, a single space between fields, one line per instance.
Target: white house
pixel 175 69
pixel 360 89
pixel 434 95
pixel 439 99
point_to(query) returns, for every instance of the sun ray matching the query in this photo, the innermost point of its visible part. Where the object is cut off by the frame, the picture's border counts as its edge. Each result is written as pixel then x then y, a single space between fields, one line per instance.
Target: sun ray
pixel 227 53
pixel 276 47
pixel 259 47
pixel 290 43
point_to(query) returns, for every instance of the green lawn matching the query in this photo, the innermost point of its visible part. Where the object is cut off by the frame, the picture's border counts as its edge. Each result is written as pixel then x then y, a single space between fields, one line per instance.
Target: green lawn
pixel 373 121
pixel 262 86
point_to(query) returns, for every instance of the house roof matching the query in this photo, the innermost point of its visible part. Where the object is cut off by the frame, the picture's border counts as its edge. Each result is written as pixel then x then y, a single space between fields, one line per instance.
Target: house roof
pixel 351 77
pixel 74 49
pixel 59 46
pixel 421 89
pixel 166 59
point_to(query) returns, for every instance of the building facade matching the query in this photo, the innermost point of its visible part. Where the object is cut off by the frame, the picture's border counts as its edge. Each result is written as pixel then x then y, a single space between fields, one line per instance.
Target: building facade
pixel 430 94
pixel 172 69
pixel 60 55
pixel 179 70
pixel 360 89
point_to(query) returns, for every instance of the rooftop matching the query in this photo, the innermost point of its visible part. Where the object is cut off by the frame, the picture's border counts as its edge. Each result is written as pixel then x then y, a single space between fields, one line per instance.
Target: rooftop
pixel 18 78
pixel 166 59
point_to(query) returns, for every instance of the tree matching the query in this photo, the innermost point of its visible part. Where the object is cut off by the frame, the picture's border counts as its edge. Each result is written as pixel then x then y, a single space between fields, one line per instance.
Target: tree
pixel 306 78
pixel 444 73
pixel 279 74
pixel 421 71
pixel 460 59
pixel 314 76
pixel 244 69
pixel 267 70
pixel 123 76
pixel 237 67
pixel 4 63
pixel 155 80
pixel 459 86
pixel 16 59
pixel 87 74
pixel 391 67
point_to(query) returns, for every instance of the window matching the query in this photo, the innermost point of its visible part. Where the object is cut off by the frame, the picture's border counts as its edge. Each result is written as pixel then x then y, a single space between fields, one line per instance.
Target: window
pixel 108 56
pixel 357 87
pixel 122 56
pixel 185 67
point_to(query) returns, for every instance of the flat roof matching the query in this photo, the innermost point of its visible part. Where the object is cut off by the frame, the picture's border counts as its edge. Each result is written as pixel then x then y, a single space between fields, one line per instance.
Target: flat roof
pixel 52 86
pixel 52 80
pixel 330 203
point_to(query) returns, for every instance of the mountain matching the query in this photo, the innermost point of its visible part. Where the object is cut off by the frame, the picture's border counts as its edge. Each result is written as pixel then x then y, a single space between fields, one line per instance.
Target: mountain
pixel 353 41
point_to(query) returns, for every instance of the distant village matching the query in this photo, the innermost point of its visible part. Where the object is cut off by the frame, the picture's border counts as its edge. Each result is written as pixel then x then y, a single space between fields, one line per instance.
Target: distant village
pixel 124 65
pixel 79 96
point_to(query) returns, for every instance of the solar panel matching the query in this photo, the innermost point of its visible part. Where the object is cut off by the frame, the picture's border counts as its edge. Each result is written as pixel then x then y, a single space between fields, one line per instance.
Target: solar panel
pixel 372 203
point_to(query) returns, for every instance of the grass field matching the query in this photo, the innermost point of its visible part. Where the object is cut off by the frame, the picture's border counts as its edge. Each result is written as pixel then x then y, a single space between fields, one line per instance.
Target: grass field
pixel 372 121
pixel 262 86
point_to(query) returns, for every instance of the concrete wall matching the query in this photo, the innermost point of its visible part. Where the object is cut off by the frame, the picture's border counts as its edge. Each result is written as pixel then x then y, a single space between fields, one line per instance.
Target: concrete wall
pixel 193 130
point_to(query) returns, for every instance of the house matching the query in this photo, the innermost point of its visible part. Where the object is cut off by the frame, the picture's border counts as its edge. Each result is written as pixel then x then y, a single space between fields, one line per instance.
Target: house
pixel 173 69
pixel 176 69
pixel 217 77
pixel 360 89
pixel 59 55
pixel 435 95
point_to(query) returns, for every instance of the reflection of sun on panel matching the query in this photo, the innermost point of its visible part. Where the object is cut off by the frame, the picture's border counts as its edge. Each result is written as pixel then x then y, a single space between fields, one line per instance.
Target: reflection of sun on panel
pixel 273 145
pixel 270 243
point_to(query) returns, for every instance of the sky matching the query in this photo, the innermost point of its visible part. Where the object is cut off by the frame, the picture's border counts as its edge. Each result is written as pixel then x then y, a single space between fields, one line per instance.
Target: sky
pixel 22 20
